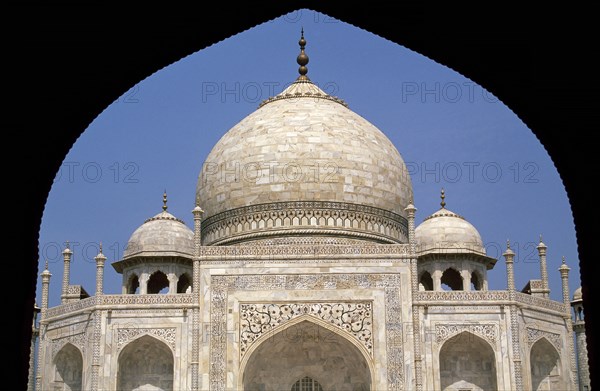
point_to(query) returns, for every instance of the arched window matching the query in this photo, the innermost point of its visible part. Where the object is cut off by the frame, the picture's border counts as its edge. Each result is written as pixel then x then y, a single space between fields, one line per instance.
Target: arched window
pixel 184 283
pixel 133 285
pixel 68 369
pixel 158 283
pixel 451 279
pixel 426 281
pixel 545 367
pixel 307 384
pixel 476 281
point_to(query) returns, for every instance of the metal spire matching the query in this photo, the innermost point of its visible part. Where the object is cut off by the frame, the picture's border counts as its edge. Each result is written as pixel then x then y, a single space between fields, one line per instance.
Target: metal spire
pixel 443 197
pixel 165 201
pixel 302 59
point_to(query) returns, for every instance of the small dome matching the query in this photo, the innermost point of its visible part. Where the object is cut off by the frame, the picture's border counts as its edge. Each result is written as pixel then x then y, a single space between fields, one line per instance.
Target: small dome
pixel 577 295
pixel 161 235
pixel 447 230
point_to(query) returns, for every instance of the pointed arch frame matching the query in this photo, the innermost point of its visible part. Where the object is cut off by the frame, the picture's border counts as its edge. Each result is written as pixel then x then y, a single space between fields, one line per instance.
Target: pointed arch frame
pixel 498 371
pixel 311 319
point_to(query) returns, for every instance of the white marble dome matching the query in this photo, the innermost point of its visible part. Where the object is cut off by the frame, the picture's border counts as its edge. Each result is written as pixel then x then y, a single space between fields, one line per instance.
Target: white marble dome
pixel 304 146
pixel 162 235
pixel 578 294
pixel 445 230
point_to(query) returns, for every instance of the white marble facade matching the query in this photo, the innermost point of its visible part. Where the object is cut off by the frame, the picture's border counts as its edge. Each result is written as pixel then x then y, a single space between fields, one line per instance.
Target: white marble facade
pixel 320 283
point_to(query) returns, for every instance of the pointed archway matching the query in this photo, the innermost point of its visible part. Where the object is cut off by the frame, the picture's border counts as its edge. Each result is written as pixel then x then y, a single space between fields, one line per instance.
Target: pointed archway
pixel 145 364
pixel 306 350
pixel 544 363
pixel 467 362
pixel 68 365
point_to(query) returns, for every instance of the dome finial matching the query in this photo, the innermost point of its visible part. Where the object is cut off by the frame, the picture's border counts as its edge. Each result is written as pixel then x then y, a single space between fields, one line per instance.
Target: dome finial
pixel 46 266
pixel 165 201
pixel 564 261
pixel 508 244
pixel 100 247
pixel 443 197
pixel 302 59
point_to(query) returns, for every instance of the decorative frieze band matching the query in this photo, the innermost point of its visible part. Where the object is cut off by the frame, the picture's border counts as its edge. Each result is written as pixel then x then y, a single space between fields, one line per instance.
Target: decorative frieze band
pixel 109 300
pixel 355 318
pixel 72 307
pixel 461 296
pixel 125 335
pixel 284 218
pixel 315 253
pixel 307 94
pixel 78 340
pixel 307 241
pixel 488 331
pixel 468 297
pixel 533 335
pixel 180 298
pixel 540 302
pixel 151 312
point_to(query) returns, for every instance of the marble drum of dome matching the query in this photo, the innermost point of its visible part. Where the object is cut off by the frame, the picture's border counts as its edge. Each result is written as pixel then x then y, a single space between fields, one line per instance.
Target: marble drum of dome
pixel 303 168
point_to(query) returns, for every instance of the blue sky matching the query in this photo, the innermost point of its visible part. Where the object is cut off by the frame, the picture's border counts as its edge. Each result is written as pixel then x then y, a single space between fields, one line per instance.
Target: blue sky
pixel 451 132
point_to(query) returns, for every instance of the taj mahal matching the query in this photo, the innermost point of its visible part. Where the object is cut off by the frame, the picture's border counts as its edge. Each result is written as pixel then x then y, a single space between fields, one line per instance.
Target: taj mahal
pixel 309 285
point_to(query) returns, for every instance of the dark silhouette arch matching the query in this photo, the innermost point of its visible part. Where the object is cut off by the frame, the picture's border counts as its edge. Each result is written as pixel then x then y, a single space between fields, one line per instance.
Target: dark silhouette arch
pixel 426 281
pixel 488 59
pixel 158 283
pixel 133 284
pixel 476 281
pixel 184 283
pixel 452 279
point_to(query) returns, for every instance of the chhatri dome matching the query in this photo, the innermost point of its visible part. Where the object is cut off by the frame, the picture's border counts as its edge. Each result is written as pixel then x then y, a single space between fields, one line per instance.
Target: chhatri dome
pixel 162 235
pixel 578 294
pixel 446 229
pixel 304 164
